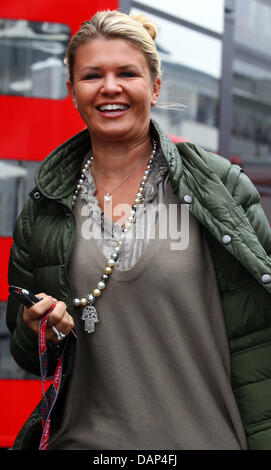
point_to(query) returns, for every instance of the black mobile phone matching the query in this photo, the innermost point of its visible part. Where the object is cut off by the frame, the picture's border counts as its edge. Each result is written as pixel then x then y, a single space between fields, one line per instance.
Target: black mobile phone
pixel 24 296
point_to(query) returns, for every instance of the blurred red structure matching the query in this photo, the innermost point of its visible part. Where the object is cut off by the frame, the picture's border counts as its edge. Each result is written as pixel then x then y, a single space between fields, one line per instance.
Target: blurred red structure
pixel 31 128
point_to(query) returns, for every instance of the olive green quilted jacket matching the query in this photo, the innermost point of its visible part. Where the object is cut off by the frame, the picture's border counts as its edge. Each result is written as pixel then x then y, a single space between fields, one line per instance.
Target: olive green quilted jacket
pixel 226 203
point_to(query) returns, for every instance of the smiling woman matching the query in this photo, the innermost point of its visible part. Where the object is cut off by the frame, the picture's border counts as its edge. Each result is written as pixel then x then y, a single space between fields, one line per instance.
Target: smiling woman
pixel 113 92
pixel 168 339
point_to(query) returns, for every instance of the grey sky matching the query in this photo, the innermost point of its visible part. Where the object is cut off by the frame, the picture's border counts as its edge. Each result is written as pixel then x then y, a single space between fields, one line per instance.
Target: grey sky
pixel 207 13
pixel 184 45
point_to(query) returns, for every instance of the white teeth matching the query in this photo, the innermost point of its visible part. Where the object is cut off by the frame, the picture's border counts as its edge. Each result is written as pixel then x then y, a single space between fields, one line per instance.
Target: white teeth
pixel 113 107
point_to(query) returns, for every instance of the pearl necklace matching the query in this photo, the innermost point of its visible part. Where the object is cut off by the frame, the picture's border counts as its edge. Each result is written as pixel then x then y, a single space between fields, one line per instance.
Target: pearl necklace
pixel 90 315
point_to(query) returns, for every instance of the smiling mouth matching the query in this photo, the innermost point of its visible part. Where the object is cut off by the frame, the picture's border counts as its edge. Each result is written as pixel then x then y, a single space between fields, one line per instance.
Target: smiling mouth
pixel 113 107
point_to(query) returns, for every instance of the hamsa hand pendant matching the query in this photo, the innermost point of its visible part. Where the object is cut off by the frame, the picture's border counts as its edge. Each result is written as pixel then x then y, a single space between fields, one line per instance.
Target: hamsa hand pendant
pixel 90 317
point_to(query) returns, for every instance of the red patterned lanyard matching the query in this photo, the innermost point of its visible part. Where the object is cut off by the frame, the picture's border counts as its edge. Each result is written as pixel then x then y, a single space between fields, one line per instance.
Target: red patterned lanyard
pixel 46 407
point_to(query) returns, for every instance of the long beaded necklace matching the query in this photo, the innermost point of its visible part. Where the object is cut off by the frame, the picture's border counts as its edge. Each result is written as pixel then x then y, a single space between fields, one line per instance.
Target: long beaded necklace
pixel 90 315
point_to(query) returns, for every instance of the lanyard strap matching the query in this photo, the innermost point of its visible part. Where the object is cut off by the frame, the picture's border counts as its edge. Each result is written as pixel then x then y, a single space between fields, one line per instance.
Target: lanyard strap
pixel 46 407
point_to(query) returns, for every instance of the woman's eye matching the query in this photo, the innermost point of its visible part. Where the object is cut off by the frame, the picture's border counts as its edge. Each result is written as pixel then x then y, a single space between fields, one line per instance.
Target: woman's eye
pixel 128 74
pixel 91 76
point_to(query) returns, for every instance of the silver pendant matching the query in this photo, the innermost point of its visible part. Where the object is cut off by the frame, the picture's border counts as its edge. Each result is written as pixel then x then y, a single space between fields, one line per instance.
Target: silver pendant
pixel 107 198
pixel 90 317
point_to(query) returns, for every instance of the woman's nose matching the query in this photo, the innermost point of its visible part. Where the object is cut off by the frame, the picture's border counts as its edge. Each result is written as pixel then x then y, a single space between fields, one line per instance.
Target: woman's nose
pixel 111 85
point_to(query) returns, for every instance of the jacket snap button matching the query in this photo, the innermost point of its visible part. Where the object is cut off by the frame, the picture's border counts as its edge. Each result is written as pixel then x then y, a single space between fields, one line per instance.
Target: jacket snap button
pixel 188 199
pixel 266 278
pixel 172 160
pixel 37 195
pixel 226 239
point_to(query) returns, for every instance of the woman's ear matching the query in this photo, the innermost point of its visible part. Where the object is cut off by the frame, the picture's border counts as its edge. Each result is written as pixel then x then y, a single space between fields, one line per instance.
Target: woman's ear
pixel 156 91
pixel 71 92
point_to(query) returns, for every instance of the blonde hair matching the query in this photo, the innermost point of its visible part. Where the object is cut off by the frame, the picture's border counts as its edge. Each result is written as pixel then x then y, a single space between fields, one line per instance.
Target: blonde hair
pixel 112 24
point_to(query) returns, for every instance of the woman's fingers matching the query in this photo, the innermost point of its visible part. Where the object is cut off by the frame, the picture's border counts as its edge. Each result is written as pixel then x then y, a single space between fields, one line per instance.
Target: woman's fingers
pixel 62 328
pixel 58 318
pixel 61 320
pixel 33 314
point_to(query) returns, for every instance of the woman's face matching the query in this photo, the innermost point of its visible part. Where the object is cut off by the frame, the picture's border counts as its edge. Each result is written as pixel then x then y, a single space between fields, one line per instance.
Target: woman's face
pixel 113 89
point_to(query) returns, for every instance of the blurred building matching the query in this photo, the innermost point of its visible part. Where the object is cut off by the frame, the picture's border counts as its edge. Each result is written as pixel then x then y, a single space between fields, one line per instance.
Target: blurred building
pixel 217 79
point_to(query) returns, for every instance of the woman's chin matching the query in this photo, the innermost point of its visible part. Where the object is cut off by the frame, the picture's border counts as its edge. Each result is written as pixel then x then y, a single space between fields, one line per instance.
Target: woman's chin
pixel 112 132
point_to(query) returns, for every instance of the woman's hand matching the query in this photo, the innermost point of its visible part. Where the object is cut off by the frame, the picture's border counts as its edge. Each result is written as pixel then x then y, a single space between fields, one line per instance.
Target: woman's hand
pixel 58 318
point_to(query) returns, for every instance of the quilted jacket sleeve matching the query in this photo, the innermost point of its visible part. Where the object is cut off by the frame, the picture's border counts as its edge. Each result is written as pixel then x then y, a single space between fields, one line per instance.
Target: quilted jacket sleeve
pixel 24 343
pixel 247 196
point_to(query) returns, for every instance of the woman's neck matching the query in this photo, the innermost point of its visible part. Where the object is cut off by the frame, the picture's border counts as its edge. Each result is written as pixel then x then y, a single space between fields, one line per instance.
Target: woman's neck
pixel 115 159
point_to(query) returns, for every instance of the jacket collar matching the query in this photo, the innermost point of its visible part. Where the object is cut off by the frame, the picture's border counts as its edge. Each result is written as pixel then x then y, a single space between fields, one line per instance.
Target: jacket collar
pixel 170 152
pixel 59 173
